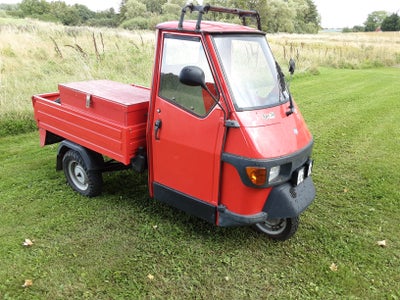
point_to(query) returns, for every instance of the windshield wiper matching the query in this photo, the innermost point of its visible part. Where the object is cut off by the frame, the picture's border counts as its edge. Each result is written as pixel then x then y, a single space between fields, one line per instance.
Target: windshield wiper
pixel 283 89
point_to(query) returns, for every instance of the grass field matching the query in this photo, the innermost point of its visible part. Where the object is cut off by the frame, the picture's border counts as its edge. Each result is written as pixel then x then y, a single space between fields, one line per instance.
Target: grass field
pixel 123 245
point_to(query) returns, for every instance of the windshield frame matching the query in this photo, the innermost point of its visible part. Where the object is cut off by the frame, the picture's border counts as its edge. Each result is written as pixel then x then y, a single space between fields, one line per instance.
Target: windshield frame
pixel 275 97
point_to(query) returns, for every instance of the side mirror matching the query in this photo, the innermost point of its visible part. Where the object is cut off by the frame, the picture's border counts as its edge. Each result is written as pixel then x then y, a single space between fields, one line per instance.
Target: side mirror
pixel 193 76
pixel 292 66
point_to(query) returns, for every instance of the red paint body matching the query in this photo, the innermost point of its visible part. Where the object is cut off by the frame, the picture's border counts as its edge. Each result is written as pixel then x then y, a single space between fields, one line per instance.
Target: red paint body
pixel 114 123
pixel 185 155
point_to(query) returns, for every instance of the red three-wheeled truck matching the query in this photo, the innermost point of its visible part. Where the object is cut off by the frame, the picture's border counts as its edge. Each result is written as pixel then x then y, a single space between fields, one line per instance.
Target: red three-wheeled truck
pixel 218 131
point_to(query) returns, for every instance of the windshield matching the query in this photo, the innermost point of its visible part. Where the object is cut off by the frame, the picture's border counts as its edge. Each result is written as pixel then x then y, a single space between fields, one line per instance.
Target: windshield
pixel 250 70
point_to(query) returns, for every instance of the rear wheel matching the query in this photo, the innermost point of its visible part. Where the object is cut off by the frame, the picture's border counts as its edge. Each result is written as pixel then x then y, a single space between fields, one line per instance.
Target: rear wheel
pixel 279 229
pixel 84 181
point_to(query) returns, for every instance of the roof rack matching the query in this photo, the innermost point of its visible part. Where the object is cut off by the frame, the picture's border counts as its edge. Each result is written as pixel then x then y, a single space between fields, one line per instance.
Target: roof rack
pixel 206 8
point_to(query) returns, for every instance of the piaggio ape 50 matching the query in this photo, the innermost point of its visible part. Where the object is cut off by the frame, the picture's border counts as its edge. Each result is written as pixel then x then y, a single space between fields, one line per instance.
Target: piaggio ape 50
pixel 218 131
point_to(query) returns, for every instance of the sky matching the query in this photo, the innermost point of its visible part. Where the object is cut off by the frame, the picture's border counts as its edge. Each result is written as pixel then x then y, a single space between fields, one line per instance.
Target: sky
pixel 334 13
pixel 347 13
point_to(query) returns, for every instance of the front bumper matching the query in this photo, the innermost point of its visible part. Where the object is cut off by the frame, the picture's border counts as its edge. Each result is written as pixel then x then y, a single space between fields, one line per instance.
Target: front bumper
pixel 284 201
pixel 288 201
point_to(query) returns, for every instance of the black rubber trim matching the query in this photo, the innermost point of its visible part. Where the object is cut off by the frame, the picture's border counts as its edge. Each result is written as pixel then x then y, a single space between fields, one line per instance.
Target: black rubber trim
pixel 185 202
pixel 227 218
pixel 288 165
pixel 204 210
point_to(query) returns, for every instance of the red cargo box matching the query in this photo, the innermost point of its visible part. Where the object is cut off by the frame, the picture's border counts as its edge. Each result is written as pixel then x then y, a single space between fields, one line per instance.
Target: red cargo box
pixel 105 116
pixel 117 102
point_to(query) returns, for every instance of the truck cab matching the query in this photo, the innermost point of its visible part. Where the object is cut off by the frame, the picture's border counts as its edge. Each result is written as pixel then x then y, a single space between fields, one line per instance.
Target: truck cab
pixel 226 141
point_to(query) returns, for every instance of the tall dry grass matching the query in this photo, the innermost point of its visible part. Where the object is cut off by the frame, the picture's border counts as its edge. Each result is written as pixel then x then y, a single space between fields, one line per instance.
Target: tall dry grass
pixel 36 56
pixel 338 50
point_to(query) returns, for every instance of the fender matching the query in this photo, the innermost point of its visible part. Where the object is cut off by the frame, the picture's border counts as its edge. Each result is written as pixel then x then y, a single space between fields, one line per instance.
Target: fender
pixel 92 159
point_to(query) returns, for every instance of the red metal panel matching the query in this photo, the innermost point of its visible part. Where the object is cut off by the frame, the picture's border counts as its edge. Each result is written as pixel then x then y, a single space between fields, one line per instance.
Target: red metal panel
pixel 239 198
pixel 109 100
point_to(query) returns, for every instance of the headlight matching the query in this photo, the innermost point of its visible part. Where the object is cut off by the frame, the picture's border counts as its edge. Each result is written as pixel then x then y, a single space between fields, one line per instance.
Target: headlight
pixel 274 173
pixel 309 168
pixel 258 175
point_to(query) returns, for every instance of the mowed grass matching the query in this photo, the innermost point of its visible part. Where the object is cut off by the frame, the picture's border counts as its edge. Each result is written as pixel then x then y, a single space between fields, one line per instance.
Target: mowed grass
pixel 123 245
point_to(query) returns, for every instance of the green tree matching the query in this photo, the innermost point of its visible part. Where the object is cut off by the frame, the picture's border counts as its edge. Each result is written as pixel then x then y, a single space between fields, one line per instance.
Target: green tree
pixel 84 12
pixel 391 23
pixel 70 15
pixel 105 18
pixel 171 9
pixel 374 20
pixel 135 8
pixel 154 6
pixel 278 16
pixel 122 11
pixel 307 19
pixel 58 8
pixel 34 8
pixel 356 28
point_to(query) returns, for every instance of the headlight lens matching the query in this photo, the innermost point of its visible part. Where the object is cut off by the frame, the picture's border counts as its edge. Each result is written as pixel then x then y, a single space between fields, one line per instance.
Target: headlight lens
pixel 309 168
pixel 274 173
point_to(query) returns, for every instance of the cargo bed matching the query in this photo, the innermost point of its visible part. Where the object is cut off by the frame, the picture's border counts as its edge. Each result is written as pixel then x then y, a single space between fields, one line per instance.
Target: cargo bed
pixel 105 116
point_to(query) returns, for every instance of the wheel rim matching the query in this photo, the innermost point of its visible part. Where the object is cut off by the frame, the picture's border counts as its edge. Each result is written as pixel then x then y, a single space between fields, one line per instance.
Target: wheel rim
pixel 273 227
pixel 78 175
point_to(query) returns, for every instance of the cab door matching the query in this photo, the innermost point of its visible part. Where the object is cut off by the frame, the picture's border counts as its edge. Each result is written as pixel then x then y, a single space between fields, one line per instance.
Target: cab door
pixel 187 132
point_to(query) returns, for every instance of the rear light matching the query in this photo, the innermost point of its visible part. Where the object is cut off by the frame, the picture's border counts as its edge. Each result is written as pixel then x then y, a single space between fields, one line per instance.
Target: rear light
pixel 257 175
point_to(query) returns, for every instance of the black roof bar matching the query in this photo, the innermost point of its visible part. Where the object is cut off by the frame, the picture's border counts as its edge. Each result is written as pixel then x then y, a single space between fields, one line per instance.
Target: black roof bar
pixel 206 8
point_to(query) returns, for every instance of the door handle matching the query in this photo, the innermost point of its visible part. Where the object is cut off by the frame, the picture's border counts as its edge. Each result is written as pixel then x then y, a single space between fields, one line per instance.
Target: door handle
pixel 157 126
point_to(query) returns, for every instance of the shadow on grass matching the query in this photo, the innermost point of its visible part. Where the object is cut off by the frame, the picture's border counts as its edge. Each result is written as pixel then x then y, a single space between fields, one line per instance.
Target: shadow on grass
pixel 129 191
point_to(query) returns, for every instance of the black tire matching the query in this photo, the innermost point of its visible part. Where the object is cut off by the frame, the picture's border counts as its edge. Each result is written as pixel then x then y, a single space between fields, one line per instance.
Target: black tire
pixel 279 229
pixel 86 182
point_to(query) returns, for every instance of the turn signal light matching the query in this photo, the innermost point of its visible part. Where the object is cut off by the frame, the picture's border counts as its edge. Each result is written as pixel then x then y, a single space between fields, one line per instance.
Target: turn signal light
pixel 257 175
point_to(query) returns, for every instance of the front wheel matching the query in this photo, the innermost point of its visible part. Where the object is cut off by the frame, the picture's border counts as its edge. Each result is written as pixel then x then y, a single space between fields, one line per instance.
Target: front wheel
pixel 82 180
pixel 279 229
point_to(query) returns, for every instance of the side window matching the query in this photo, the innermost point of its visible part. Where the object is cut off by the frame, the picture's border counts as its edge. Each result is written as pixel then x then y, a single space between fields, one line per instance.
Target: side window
pixel 179 52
